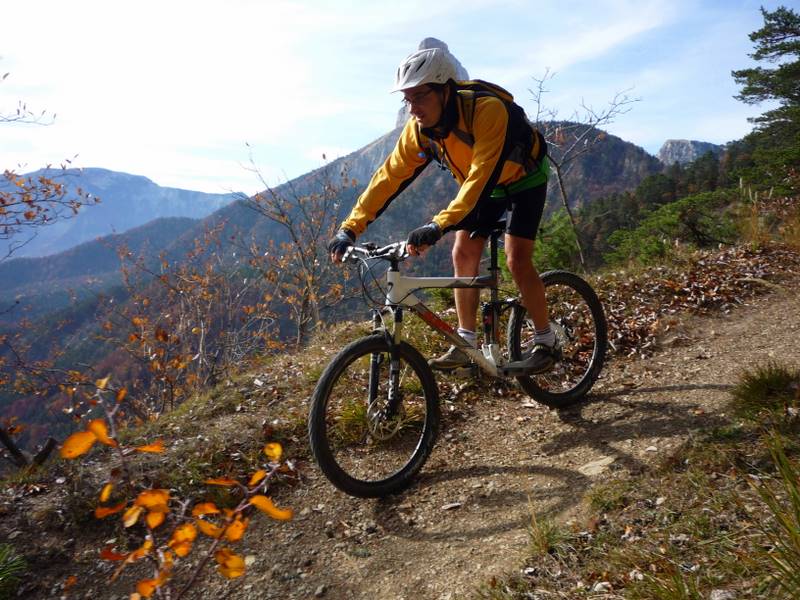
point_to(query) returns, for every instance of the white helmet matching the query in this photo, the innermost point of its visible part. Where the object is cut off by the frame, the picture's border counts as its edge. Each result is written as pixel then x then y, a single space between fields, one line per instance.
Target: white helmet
pixel 424 66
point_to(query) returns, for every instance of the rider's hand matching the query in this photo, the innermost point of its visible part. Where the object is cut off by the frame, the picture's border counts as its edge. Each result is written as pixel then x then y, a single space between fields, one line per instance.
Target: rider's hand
pixel 422 237
pixel 340 243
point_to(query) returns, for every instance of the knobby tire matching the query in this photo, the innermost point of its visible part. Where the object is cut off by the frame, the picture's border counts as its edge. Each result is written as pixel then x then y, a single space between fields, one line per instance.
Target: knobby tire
pixel 578 319
pixel 353 451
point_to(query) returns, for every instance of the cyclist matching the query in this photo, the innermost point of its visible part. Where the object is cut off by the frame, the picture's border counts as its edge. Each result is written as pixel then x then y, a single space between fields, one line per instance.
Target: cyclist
pixel 492 179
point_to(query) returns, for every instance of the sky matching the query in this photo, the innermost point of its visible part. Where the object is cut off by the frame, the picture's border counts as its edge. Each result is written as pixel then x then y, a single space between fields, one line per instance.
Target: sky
pixel 218 96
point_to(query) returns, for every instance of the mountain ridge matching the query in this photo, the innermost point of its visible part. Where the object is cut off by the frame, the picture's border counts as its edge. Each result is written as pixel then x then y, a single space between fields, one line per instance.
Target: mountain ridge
pixel 125 201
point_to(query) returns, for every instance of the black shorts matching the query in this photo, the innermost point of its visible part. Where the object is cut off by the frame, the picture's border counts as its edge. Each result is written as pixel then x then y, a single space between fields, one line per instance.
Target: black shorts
pixel 524 214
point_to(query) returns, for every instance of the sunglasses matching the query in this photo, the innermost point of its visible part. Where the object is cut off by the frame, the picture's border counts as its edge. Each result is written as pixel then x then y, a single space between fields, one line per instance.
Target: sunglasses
pixel 418 98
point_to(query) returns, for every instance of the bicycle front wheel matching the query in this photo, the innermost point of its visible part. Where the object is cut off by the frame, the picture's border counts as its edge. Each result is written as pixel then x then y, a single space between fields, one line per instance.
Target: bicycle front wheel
pixel 577 318
pixel 374 417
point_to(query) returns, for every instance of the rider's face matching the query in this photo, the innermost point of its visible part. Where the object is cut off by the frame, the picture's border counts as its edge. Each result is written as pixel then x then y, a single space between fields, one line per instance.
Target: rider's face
pixel 425 103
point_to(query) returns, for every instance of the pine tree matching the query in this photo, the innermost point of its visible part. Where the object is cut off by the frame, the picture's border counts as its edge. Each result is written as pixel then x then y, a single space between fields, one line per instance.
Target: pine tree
pixel 776 141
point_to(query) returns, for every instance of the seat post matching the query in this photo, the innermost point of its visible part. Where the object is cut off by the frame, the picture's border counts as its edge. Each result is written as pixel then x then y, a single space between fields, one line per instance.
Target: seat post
pixel 494 268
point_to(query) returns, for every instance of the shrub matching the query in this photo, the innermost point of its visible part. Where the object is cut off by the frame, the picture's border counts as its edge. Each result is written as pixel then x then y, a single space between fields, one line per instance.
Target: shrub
pixel 699 221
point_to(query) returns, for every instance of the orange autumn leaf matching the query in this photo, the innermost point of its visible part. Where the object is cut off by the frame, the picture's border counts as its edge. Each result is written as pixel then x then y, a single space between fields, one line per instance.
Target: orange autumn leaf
pixel 141 551
pixel 102 383
pixel 105 493
pixel 154 519
pixel 235 531
pixel 169 559
pixel 223 481
pixel 230 565
pixel 257 477
pixel 77 444
pixel 154 499
pixel 184 533
pixel 146 587
pixel 99 428
pixel 274 451
pixel 209 529
pixel 181 548
pixel 265 504
pixel 71 581
pixel 121 394
pixel 101 512
pixel 131 516
pixel 156 447
pixel 205 508
pixel 108 553
pixel 182 539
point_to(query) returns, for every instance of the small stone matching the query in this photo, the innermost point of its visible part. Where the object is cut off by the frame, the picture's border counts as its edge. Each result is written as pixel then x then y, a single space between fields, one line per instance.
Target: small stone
pixel 651 449
pixel 451 506
pixel 636 575
pixel 596 466
pixel 660 501
pixel 320 591
pixel 722 595
pixel 602 587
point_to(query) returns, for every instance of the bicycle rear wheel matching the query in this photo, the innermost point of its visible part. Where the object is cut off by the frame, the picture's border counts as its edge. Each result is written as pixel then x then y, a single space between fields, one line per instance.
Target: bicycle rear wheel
pixel 577 318
pixel 373 422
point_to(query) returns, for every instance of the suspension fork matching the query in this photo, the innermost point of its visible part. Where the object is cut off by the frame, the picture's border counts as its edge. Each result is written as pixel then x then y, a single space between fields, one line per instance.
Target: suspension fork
pixel 377 359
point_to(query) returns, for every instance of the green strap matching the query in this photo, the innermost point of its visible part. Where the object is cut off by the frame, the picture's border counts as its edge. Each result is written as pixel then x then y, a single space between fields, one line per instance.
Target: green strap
pixel 531 180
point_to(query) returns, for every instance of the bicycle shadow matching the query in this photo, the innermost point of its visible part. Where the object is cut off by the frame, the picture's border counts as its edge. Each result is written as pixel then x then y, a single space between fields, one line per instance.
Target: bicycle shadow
pixel 388 512
pixel 634 418
pixel 604 432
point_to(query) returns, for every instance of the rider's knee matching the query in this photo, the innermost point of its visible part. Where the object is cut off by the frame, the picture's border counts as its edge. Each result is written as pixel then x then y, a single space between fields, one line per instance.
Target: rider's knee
pixel 519 263
pixel 466 255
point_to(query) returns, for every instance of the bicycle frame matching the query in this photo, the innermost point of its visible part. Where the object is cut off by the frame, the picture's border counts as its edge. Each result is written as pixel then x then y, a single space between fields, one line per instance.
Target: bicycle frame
pixel 400 294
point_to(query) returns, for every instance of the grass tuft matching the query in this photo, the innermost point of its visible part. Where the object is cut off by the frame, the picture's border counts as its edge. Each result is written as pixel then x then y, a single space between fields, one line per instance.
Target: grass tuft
pixel 782 497
pixel 547 537
pixel 770 388
pixel 12 566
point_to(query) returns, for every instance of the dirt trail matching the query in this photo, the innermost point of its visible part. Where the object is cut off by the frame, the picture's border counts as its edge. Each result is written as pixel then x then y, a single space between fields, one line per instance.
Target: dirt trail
pixel 499 457
pixel 466 517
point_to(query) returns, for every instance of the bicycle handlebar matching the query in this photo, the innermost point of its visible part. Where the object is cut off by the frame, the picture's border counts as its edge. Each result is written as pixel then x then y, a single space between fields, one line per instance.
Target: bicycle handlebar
pixel 396 251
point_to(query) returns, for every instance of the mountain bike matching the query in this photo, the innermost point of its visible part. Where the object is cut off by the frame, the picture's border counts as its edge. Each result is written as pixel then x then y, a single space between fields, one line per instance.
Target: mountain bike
pixel 374 414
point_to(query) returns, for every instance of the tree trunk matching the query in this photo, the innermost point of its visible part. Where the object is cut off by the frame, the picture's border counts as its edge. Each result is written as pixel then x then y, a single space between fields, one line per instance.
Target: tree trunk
pixel 17 457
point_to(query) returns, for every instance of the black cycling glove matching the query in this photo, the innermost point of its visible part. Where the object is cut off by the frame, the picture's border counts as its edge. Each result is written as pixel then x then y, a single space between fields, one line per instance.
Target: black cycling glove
pixel 343 239
pixel 427 235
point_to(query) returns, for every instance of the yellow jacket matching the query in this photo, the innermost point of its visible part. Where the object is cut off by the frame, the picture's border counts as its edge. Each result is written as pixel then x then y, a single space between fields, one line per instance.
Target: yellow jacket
pixel 477 167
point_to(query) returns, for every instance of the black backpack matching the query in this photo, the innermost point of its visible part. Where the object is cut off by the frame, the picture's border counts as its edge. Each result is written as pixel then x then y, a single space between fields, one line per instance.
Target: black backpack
pixel 528 144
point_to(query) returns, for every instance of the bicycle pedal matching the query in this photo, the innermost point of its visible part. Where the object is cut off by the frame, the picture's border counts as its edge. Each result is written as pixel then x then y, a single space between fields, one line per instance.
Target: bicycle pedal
pixel 468 371
pixel 518 369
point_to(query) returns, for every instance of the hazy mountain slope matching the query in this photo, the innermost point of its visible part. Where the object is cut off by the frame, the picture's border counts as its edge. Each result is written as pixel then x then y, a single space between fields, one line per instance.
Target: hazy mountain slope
pixel 38 285
pixel 126 201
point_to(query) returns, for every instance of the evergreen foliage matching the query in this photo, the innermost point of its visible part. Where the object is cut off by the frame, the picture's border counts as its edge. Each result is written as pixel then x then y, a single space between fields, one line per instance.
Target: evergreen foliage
pixel 772 152
pixel 697 220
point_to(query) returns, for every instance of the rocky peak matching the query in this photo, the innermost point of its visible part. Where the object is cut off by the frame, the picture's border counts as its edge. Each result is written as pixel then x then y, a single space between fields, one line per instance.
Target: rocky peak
pixel 686 151
pixel 461 72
